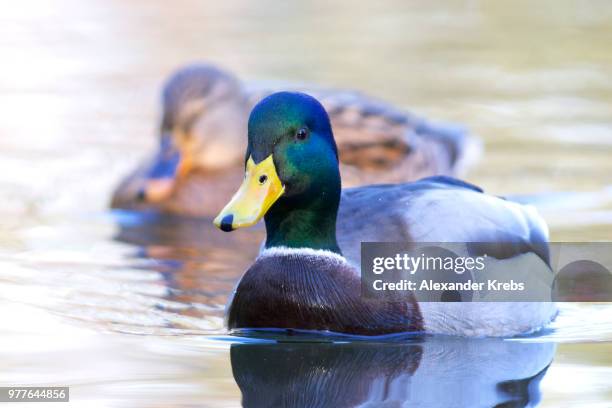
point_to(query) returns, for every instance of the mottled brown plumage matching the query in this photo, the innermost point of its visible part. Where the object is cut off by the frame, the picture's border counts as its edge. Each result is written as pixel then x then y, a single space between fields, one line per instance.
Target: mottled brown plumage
pixel 205 110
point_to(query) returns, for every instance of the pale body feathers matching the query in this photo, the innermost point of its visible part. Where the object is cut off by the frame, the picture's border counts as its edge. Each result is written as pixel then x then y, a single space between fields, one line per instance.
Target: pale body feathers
pixel 436 211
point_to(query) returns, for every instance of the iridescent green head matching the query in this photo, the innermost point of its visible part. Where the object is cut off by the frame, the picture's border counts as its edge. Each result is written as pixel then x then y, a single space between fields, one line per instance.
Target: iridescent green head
pixel 292 176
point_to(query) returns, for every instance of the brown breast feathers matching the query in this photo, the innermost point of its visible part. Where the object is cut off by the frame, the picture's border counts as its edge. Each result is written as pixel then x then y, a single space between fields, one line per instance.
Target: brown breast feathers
pixel 315 293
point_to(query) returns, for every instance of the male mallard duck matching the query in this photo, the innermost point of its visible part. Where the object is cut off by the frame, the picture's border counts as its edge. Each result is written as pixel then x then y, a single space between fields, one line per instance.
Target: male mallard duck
pixel 205 110
pixel 301 280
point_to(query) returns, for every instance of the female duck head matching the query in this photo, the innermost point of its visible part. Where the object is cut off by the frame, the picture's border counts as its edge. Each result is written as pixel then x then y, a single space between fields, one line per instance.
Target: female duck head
pixel 203 120
pixel 292 175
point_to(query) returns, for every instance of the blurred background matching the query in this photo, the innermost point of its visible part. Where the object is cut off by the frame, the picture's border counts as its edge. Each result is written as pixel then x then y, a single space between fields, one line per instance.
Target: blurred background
pixel 79 93
pixel 81 82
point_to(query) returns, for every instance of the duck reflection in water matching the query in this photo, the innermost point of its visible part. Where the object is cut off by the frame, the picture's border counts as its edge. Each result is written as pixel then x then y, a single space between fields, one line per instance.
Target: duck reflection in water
pixel 427 372
pixel 198 266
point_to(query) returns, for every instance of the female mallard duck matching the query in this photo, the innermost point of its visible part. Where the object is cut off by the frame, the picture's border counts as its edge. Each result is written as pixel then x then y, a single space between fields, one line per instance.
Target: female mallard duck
pixel 204 119
pixel 301 280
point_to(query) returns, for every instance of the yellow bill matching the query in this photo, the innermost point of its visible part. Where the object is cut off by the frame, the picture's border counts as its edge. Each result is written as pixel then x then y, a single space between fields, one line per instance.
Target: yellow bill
pixel 259 190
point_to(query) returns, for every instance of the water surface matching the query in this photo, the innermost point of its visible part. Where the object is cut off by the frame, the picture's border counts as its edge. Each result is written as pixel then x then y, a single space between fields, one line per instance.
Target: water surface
pixel 127 308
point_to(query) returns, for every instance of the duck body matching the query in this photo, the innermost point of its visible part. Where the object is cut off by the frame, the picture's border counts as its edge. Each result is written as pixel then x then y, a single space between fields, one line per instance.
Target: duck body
pixel 204 117
pixel 308 279
pixel 437 209
pixel 442 209
pixel 314 290
pixel 302 289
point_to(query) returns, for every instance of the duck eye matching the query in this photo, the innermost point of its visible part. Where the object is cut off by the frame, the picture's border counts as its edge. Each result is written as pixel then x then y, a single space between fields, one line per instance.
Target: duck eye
pixel 301 134
pixel 262 179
